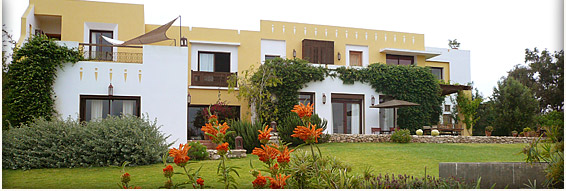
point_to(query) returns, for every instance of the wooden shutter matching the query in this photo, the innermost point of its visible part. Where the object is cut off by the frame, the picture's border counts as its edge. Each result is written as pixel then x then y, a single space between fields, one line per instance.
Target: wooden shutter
pixel 318 51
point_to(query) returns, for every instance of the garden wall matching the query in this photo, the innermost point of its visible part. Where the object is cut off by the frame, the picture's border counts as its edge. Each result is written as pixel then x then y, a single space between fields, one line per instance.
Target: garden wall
pixel 502 174
pixel 355 138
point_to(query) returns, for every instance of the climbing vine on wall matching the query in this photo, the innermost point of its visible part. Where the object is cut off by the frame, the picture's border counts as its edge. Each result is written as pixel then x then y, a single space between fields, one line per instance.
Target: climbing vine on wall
pixel 408 83
pixel 30 77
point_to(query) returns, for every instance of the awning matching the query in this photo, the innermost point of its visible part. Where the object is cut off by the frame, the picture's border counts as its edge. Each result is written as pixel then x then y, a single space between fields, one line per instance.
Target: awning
pixel 406 52
pixel 394 104
pixel 450 89
pixel 156 35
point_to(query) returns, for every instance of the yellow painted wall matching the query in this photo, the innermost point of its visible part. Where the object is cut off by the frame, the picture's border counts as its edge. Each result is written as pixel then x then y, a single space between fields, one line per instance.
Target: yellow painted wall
pixel 129 17
pixel 295 33
pixel 444 65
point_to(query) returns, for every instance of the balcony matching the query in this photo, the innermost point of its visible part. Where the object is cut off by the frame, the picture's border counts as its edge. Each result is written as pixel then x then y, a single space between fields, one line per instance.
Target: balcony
pixel 112 53
pixel 217 79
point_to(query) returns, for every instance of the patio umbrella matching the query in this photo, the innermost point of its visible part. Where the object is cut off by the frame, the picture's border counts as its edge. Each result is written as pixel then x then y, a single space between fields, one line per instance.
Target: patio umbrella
pixel 394 104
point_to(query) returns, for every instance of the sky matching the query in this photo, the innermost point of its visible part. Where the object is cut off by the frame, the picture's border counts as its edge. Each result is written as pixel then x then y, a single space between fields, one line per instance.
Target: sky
pixel 497 32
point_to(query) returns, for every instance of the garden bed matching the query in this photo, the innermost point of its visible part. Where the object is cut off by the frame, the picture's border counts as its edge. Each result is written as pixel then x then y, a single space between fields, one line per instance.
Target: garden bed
pixel 356 138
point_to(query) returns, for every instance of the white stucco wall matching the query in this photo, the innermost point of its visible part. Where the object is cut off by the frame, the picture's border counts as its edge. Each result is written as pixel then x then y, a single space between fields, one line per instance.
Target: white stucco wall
pixel 460 68
pixel 273 47
pixel 363 49
pixel 370 116
pixel 161 82
pixel 215 47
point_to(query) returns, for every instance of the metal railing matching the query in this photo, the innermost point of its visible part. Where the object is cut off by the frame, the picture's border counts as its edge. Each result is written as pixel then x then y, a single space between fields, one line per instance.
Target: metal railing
pixel 112 53
pixel 218 79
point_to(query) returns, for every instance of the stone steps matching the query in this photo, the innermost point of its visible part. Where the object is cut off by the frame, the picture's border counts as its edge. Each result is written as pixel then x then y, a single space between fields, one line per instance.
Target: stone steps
pixel 274 138
pixel 208 143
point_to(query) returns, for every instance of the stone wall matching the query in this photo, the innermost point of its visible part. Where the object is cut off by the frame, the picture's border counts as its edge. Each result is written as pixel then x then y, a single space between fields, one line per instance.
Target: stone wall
pixel 356 138
pixel 503 174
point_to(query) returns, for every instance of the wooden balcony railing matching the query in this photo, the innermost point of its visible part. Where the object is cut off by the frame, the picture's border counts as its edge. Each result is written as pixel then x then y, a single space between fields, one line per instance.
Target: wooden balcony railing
pixel 218 79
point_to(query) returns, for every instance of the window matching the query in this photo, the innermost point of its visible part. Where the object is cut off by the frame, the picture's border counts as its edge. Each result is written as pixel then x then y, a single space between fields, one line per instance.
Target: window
pixel 196 119
pixel 100 48
pixel 446 119
pixel 355 58
pixel 306 97
pixel 437 72
pixel 318 51
pixel 99 107
pixel 214 61
pixel 399 60
pixel 270 57
pixel 447 108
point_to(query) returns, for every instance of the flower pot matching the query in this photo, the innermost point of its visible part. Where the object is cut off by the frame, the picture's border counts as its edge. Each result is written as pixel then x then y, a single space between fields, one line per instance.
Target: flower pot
pixel 515 134
pixel 488 133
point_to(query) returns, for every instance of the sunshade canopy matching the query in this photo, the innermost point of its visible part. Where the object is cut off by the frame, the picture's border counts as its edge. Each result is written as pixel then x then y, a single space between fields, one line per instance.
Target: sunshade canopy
pixel 394 104
pixel 156 35
pixel 450 89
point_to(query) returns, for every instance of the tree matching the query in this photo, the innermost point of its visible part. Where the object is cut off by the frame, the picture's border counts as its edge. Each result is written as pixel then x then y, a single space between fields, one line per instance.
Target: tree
pixel 544 75
pixel 468 108
pixel 30 77
pixel 514 105
pixel 454 44
pixel 253 87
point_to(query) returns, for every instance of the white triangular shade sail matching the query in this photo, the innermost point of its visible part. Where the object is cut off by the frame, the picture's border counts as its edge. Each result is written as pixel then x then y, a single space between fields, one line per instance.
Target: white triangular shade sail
pixel 156 35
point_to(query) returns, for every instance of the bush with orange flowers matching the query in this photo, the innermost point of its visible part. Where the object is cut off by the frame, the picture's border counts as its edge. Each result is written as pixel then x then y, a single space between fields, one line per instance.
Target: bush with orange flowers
pixel 181 159
pixel 217 133
pixel 275 157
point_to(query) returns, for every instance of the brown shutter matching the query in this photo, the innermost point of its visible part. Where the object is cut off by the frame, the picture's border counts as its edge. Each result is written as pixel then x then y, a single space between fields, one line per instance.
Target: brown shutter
pixel 319 52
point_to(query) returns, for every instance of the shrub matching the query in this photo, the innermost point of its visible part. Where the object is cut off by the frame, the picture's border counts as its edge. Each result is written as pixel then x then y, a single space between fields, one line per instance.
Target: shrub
pixel 58 143
pixel 197 151
pixel 401 136
pixel 288 123
pixel 434 132
pixel 489 128
pixel 248 132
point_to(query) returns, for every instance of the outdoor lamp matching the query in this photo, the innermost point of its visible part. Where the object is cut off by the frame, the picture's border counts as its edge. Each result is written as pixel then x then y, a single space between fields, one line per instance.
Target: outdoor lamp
pixel 339 56
pixel 189 98
pixel 372 100
pixel 294 53
pixel 110 90
pixel 274 126
pixel 183 42
pixel 323 98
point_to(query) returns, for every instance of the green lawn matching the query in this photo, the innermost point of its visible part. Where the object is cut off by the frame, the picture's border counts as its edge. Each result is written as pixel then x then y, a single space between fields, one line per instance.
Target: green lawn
pixel 409 158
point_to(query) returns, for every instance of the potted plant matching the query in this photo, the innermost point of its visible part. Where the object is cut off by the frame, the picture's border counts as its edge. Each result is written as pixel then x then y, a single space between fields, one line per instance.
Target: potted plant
pixel 488 130
pixel 434 132
pixel 527 132
pixel 419 132
pixel 522 134
pixel 514 133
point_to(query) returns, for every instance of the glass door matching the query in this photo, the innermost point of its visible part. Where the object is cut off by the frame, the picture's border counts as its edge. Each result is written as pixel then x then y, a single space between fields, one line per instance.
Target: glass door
pixel 347 115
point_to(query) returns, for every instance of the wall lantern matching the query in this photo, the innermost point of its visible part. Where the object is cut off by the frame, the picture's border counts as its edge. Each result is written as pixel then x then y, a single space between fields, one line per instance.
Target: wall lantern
pixel 189 98
pixel 183 42
pixel 110 90
pixel 294 53
pixel 339 56
pixel 274 126
pixel 323 98
pixel 372 100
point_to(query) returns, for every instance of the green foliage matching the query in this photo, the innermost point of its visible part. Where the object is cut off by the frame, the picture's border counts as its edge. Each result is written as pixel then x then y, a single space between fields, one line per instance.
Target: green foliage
pixel 304 171
pixel 248 131
pixel 489 128
pixel 289 122
pixel 401 136
pixel 514 106
pixel 454 44
pixel 551 151
pixel 468 108
pixel 408 83
pixel 58 144
pixel 29 80
pixel 544 75
pixel 197 151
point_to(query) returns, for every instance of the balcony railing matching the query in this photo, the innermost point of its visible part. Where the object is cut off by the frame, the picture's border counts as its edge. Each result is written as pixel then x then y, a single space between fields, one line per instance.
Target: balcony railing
pixel 218 79
pixel 112 53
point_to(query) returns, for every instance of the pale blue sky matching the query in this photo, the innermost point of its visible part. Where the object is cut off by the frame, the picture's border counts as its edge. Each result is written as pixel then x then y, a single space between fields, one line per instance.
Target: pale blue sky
pixel 496 32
